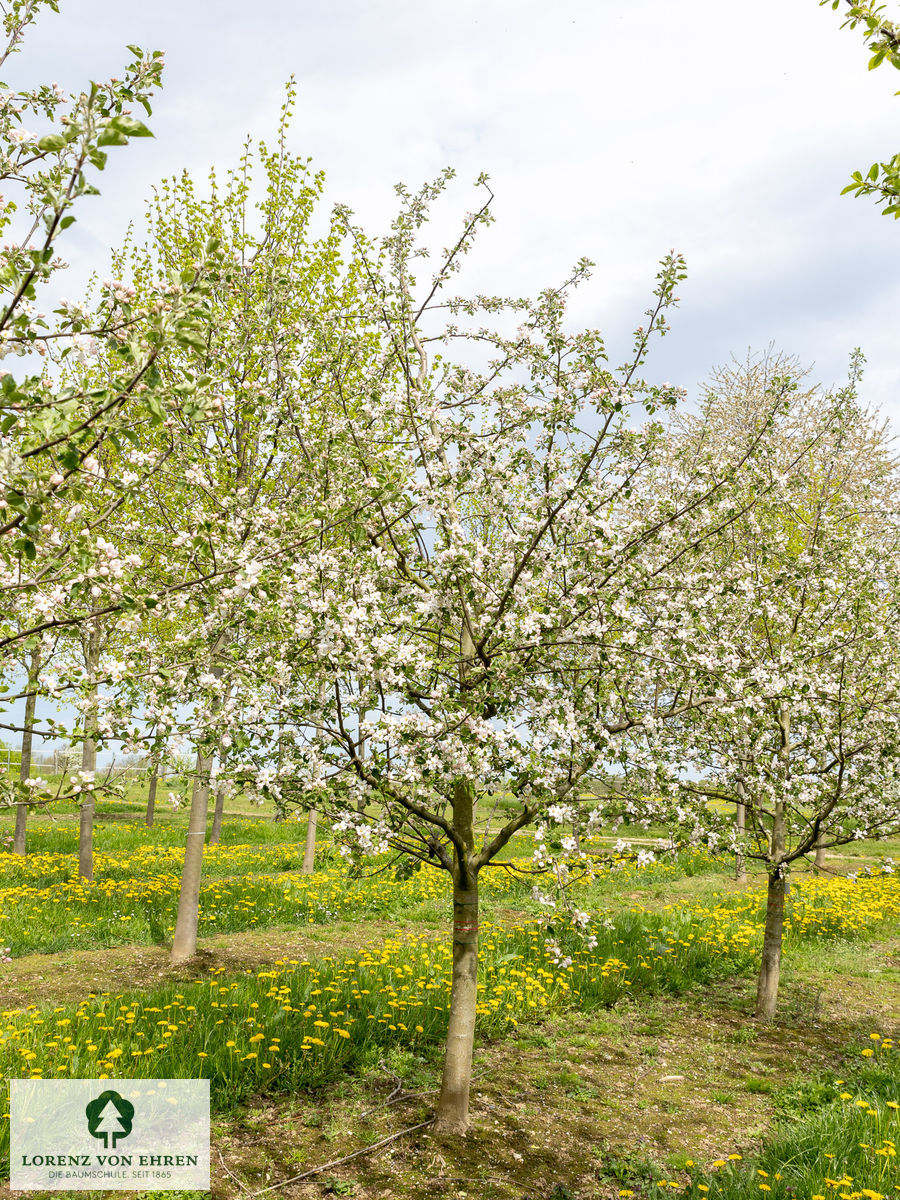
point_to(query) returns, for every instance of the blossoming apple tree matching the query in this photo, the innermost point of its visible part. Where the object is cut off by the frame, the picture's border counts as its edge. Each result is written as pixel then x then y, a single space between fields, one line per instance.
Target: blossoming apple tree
pixel 63 473
pixel 481 631
pixel 791 618
pixel 237 510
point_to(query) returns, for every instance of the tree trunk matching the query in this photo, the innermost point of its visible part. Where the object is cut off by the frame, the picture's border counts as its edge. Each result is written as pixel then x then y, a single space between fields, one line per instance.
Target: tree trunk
pixel 452 1112
pixel 27 735
pixel 184 943
pixel 151 793
pixel 820 855
pixel 89 757
pixel 740 862
pixel 309 850
pixel 216 832
pixel 770 968
pixel 361 802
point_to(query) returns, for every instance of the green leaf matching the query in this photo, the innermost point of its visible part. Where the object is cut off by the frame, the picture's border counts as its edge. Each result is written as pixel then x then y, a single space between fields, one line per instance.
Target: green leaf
pixel 187 337
pixel 53 141
pixel 156 409
pixel 111 137
pixel 130 127
pixel 29 548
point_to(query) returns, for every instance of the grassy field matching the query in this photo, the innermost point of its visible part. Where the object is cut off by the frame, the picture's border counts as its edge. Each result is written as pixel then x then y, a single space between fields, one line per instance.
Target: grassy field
pixel 317 1004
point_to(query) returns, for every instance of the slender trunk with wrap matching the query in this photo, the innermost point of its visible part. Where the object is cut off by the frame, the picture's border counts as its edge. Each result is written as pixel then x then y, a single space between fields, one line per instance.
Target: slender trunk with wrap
pixel 740 817
pixel 312 820
pixel 184 943
pixel 218 812
pixel 89 757
pixel 309 850
pixel 27 736
pixel 740 862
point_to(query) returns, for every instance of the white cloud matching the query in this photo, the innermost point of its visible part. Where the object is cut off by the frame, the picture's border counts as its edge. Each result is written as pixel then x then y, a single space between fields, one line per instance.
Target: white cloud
pixel 616 131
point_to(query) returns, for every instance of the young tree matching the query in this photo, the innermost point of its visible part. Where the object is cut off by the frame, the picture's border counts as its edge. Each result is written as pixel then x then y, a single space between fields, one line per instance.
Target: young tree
pixel 155 763
pixel 792 618
pixel 240 509
pixel 63 425
pixel 479 631
pixel 34 666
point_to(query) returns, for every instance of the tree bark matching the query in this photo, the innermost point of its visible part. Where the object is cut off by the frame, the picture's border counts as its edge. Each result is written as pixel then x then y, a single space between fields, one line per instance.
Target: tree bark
pixel 740 862
pixel 27 735
pixel 452 1112
pixel 151 793
pixel 89 757
pixel 361 802
pixel 820 855
pixel 770 968
pixel 309 850
pixel 216 831
pixel 184 943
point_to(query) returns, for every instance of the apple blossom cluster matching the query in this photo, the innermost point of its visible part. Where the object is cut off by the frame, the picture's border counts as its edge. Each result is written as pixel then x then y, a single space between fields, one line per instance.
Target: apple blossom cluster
pixel 793 620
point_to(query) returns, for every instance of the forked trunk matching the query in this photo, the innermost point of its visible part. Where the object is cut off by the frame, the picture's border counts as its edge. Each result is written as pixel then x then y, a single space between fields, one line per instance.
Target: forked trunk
pixel 770 968
pixel 151 794
pixel 309 850
pixel 184 943
pixel 216 831
pixel 27 735
pixel 452 1112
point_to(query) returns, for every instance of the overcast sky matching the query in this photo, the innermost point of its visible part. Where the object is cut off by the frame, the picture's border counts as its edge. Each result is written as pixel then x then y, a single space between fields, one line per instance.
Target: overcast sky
pixel 616 131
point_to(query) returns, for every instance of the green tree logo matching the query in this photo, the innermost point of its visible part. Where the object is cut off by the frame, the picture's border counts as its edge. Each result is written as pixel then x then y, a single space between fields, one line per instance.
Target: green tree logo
pixel 109 1117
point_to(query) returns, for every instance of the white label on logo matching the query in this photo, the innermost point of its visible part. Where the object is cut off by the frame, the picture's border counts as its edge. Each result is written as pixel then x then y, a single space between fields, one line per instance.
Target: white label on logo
pixel 92 1134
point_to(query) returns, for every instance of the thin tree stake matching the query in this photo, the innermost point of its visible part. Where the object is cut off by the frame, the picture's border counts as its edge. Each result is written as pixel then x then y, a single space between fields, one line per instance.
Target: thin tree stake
pixel 239 1182
pixel 337 1162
